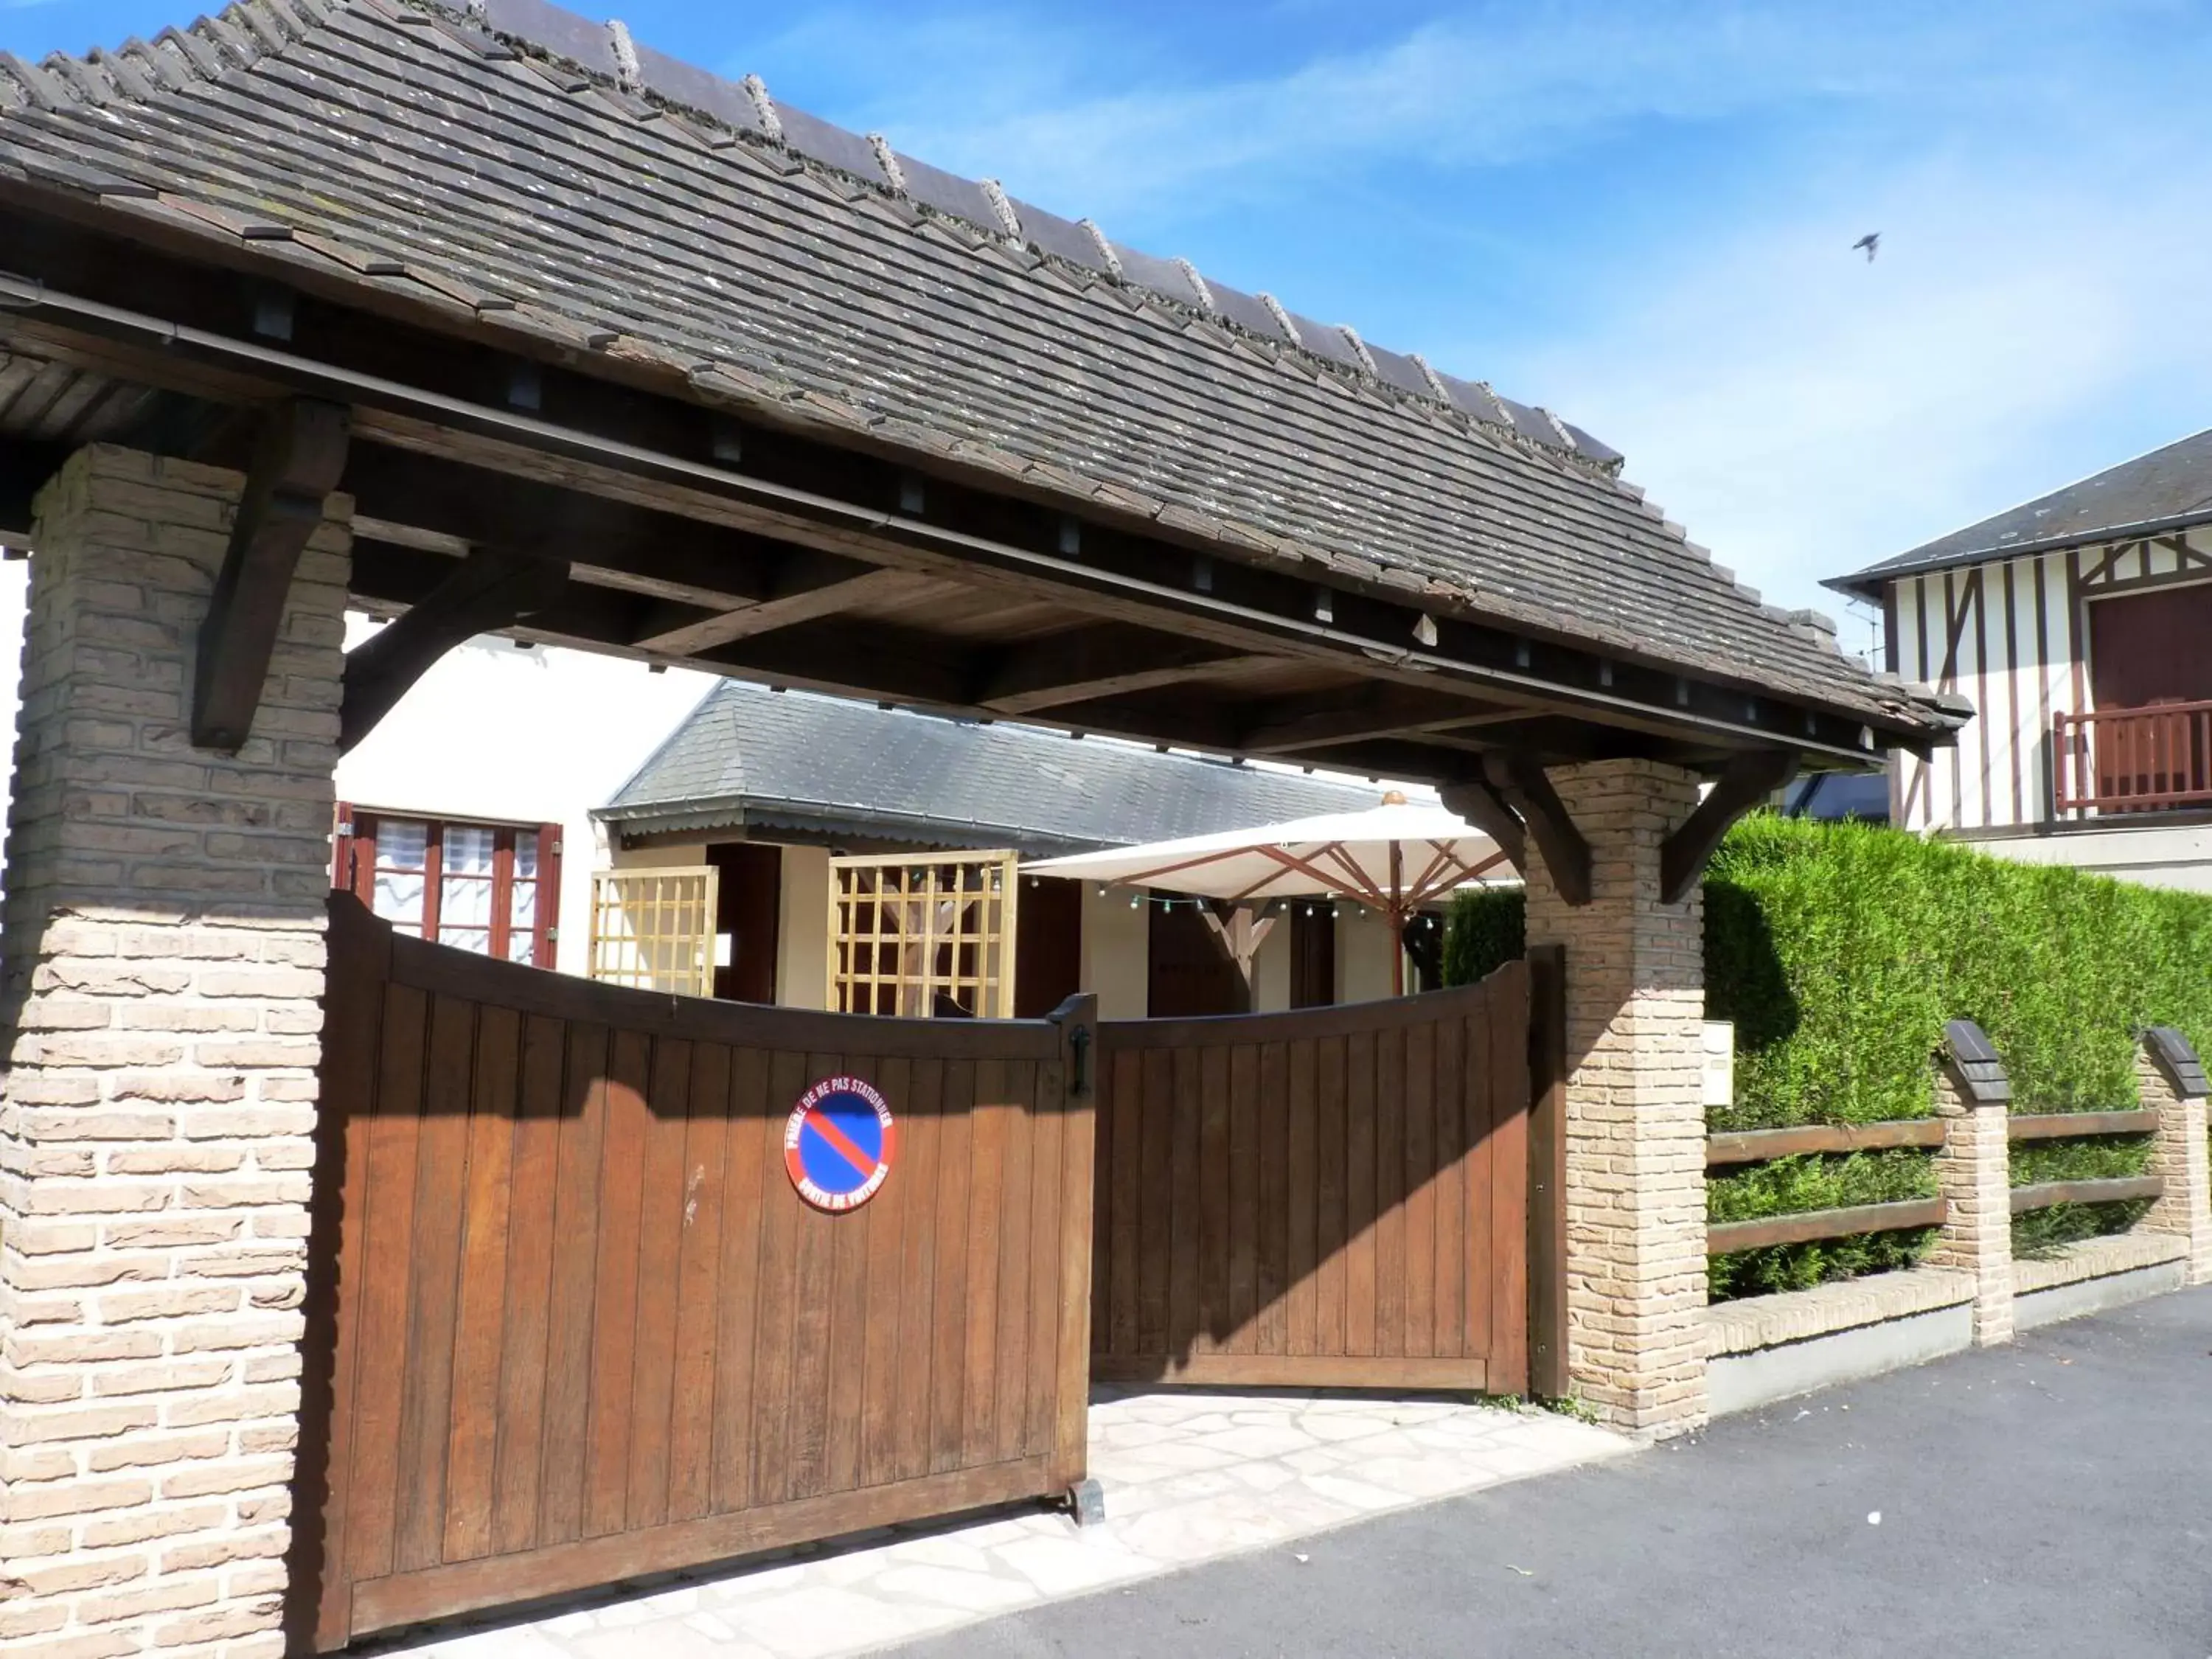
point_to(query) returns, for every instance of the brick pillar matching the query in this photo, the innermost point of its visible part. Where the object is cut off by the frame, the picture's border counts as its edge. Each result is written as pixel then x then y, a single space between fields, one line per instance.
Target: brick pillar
pixel 1635 1117
pixel 1974 1170
pixel 163 960
pixel 2171 1083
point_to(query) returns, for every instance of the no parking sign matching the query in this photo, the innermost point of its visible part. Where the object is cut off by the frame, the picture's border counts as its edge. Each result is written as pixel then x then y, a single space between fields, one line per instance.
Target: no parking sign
pixel 838 1143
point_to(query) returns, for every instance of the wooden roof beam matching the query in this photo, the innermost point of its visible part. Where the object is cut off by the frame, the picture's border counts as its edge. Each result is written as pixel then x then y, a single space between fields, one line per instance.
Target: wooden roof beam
pixel 811 586
pixel 427 499
pixel 1109 660
pixel 486 592
pixel 839 656
pixel 1325 719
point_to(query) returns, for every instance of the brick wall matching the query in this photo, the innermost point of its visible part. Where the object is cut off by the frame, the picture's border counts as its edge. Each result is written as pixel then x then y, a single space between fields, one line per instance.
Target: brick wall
pixel 1635 1118
pixel 163 958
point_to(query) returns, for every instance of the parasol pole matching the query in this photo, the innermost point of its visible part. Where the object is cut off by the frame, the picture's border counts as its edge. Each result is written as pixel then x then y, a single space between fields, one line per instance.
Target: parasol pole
pixel 1397 916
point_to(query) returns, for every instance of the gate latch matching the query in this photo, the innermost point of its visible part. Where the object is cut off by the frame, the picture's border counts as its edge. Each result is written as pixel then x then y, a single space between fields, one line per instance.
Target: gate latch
pixel 1078 1049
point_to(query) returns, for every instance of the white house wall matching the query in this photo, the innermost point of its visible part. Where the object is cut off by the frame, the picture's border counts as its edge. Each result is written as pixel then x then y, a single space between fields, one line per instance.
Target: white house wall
pixel 523 737
pixel 2007 634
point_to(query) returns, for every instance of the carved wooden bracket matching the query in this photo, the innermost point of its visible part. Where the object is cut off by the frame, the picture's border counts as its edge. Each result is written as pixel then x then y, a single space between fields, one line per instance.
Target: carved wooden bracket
pixel 298 460
pixel 488 590
pixel 1517 778
pixel 1748 780
pixel 1481 806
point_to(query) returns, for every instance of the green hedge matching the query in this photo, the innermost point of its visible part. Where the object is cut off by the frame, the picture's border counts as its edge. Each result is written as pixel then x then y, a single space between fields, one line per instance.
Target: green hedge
pixel 1486 929
pixel 1838 950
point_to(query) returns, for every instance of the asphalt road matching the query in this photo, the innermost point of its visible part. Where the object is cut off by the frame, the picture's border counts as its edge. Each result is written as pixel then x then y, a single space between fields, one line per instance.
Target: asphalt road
pixel 2054 1497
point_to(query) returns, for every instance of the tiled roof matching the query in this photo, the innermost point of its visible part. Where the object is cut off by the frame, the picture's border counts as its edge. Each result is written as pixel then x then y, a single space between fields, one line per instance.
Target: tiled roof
pixel 516 168
pixel 2168 490
pixel 748 757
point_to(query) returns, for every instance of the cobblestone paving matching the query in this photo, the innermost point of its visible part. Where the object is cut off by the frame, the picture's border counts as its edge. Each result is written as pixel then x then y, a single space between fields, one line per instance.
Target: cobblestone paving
pixel 1189 1478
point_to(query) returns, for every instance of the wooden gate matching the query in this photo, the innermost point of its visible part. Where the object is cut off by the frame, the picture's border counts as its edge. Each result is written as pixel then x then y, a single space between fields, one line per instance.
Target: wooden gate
pixel 570 1322
pixel 1337 1197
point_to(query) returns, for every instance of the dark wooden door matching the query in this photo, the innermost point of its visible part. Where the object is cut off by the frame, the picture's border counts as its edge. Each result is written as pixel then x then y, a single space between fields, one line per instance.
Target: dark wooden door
pixel 1048 946
pixel 570 1322
pixel 1332 1198
pixel 1313 955
pixel 2153 648
pixel 749 909
pixel 1188 974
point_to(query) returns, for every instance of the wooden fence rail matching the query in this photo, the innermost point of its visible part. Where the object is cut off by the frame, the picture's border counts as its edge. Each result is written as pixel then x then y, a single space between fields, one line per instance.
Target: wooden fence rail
pixel 2106 1190
pixel 1745 1147
pixel 1808 1226
pixel 2069 1126
pixel 1765 1145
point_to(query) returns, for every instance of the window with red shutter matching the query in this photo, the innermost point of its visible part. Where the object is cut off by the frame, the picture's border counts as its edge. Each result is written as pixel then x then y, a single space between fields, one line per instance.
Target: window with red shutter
pixel 490 888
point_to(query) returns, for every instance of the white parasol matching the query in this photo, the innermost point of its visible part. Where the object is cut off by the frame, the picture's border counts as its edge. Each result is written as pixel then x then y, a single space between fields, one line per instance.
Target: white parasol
pixel 1397 857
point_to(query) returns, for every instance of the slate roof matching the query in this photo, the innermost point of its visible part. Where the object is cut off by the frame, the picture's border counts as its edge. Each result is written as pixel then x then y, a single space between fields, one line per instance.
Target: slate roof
pixel 514 167
pixel 769 761
pixel 2168 489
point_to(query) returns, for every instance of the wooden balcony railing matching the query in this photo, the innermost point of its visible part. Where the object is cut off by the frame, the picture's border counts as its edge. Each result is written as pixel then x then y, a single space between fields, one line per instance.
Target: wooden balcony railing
pixel 2134 760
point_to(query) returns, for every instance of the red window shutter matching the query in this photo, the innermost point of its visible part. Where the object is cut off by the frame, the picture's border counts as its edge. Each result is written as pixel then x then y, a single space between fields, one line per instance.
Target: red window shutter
pixel 548 893
pixel 341 878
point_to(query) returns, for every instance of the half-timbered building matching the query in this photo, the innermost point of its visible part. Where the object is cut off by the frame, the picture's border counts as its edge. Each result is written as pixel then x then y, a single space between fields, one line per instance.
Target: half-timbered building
pixel 2079 624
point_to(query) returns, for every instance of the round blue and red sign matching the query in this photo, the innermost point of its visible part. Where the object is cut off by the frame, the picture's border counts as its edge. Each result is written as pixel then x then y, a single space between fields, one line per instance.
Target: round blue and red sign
pixel 839 1142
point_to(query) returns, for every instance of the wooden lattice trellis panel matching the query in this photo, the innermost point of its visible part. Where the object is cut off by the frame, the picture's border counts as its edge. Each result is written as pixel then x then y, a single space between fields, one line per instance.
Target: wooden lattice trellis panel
pixel 654 929
pixel 907 935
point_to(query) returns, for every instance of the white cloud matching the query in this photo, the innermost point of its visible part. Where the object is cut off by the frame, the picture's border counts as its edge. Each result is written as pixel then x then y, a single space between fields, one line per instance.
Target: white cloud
pixel 1806 413
pixel 1079 116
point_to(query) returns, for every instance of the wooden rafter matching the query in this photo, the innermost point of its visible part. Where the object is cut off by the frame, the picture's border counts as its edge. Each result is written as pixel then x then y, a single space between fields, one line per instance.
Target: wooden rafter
pixel 819 588
pixel 488 591
pixel 1330 719
pixel 1106 660
pixel 428 500
pixel 1747 781
pixel 300 458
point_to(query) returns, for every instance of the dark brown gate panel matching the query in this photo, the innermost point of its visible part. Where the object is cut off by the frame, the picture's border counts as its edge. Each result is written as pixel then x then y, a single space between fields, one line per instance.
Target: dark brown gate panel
pixel 1330 1198
pixel 573 1324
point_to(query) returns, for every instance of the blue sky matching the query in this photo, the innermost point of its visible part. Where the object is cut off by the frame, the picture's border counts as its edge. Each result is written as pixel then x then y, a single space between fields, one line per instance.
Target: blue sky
pixel 1639 214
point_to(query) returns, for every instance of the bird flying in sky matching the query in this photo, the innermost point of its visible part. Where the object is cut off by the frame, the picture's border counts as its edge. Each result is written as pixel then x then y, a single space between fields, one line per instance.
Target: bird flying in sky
pixel 1870 241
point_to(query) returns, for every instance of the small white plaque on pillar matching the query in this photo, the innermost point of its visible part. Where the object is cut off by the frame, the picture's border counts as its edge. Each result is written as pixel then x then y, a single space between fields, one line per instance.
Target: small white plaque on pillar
pixel 1720 1063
